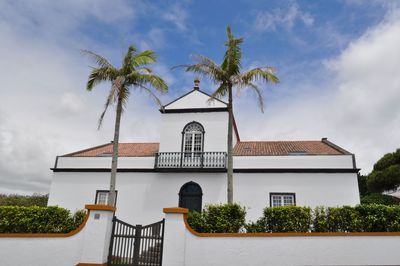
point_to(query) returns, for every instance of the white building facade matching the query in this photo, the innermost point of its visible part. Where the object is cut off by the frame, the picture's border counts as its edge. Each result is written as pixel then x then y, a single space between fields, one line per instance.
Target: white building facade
pixel 187 168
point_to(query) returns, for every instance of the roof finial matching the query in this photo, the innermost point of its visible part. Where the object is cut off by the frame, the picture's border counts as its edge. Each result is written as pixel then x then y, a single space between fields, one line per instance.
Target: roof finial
pixel 196 83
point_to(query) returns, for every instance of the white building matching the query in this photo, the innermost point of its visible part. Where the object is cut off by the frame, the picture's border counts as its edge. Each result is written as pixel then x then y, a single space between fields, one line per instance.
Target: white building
pixel 188 168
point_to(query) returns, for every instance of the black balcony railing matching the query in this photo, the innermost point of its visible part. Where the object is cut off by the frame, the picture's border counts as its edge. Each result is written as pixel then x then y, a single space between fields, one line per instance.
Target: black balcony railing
pixel 191 160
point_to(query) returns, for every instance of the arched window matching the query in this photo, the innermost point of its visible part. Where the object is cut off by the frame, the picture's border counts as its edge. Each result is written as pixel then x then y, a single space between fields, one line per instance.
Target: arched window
pixel 193 139
pixel 190 196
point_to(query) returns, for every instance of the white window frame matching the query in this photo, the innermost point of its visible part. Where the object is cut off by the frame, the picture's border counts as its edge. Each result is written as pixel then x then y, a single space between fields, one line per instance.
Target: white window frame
pixel 193 140
pixel 281 196
pixel 106 194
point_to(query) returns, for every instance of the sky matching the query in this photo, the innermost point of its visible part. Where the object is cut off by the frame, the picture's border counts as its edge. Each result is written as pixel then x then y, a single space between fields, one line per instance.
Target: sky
pixel 338 63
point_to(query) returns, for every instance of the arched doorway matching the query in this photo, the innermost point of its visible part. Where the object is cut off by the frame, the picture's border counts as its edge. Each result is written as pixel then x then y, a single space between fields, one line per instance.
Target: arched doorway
pixel 190 196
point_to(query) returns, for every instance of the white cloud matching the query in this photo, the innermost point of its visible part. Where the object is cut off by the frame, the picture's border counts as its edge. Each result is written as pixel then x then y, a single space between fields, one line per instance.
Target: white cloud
pixel 45 109
pixel 154 39
pixel 357 106
pixel 285 18
pixel 177 15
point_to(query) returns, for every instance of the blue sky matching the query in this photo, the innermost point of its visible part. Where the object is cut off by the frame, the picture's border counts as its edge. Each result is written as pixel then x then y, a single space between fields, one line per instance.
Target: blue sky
pixel 337 61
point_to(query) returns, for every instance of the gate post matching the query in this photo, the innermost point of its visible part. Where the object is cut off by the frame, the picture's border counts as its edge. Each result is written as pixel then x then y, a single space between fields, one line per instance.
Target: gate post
pixel 174 237
pixel 136 244
pixel 97 234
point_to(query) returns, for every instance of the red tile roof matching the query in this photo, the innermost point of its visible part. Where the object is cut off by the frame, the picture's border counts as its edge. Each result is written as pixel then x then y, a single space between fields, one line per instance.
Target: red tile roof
pixel 268 148
pixel 124 150
pixel 242 148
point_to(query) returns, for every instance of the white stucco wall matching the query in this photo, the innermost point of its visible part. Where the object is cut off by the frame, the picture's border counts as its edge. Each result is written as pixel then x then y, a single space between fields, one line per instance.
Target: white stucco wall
pixel 215 127
pixel 21 251
pixel 105 162
pixel 181 248
pixel 311 189
pixel 90 245
pixel 301 161
pixel 239 162
pixel 141 196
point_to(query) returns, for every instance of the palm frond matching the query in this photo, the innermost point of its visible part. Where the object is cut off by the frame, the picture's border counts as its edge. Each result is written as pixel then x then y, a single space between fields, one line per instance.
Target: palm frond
pixel 126 63
pixel 233 54
pixel 144 58
pixel 99 75
pixel 143 79
pixel 205 67
pixel 206 71
pixel 98 59
pixel 112 97
pixel 222 91
pixel 144 70
pixel 265 74
pixel 257 91
pixel 124 93
pixel 151 94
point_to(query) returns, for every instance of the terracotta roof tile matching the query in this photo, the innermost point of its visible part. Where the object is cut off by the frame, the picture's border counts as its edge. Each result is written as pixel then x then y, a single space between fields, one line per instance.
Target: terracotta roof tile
pixel 242 148
pixel 268 148
pixel 124 150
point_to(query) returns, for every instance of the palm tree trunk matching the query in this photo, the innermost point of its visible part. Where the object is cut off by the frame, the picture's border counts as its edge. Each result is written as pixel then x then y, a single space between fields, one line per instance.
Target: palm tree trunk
pixel 230 144
pixel 114 162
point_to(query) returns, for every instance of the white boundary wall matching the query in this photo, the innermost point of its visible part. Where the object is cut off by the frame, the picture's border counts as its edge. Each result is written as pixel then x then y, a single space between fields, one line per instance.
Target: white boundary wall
pixel 182 248
pixel 90 245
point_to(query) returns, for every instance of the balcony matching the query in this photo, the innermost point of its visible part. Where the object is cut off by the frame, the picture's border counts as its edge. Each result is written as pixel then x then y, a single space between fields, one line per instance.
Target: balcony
pixel 190 160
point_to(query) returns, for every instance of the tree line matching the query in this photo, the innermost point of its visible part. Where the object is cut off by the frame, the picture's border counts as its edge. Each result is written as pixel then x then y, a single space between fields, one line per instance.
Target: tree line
pixel 384 177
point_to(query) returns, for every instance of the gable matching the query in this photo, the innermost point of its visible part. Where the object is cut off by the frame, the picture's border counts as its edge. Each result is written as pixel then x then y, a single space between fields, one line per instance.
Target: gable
pixel 195 99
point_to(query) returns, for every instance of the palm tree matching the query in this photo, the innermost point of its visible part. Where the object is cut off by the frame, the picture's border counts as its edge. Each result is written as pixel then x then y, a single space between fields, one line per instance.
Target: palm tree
pixel 227 76
pixel 133 74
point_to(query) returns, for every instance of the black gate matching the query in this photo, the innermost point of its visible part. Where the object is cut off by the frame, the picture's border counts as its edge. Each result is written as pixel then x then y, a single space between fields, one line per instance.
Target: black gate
pixel 136 245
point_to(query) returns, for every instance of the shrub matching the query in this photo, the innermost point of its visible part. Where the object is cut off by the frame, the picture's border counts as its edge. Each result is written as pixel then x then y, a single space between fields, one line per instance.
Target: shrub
pixel 379 218
pixel 256 227
pixel 22 200
pixel 287 219
pixel 362 218
pixel 339 219
pixel 34 219
pixel 218 218
pixel 377 198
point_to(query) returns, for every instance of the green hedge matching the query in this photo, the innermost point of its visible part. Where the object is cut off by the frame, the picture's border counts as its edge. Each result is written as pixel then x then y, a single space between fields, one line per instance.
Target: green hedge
pixel 282 219
pixel 230 218
pixel 287 219
pixel 22 200
pixel 362 218
pixel 340 219
pixel 378 198
pixel 16 219
pixel 218 218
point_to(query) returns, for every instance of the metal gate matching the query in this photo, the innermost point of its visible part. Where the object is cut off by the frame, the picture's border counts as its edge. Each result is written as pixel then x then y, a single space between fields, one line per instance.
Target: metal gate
pixel 136 245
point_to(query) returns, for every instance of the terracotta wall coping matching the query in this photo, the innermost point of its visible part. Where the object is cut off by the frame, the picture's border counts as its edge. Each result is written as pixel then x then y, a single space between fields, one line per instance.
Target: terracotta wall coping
pixel 92 264
pixel 176 210
pixel 98 207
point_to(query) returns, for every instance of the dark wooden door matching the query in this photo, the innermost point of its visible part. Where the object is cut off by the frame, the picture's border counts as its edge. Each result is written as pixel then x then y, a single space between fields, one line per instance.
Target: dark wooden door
pixel 190 196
